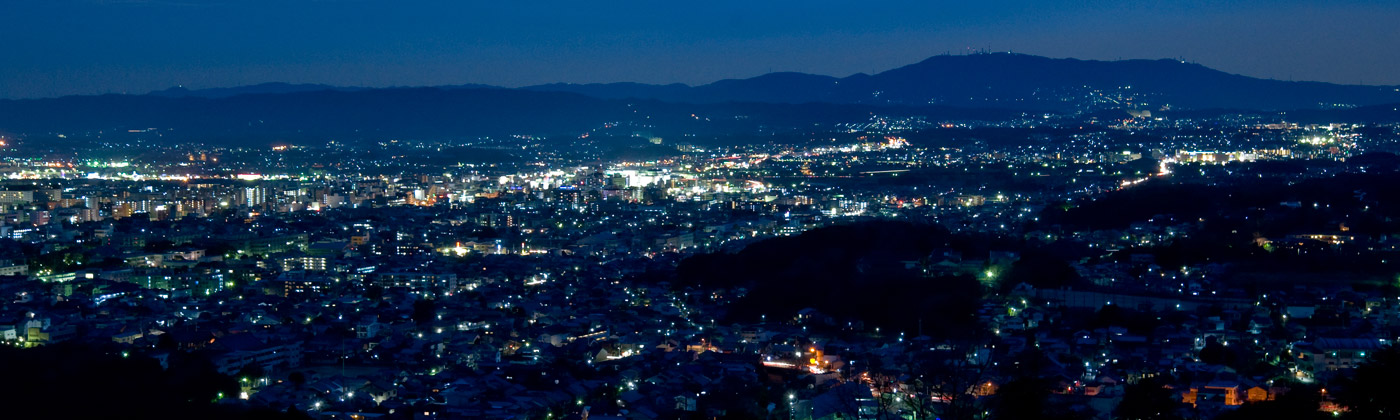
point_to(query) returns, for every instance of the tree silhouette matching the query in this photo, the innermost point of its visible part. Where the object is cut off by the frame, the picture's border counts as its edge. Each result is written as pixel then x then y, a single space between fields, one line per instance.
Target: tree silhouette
pixel 1214 352
pixel 944 382
pixel 1021 399
pixel 97 381
pixel 424 310
pixel 1149 399
pixel 297 379
pixel 1371 391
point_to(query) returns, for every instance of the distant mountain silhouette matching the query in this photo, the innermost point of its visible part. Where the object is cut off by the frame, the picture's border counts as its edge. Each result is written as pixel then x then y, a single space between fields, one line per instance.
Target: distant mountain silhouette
pixel 984 86
pixel 275 88
pixel 374 113
pixel 416 113
pixel 263 88
pixel 1015 81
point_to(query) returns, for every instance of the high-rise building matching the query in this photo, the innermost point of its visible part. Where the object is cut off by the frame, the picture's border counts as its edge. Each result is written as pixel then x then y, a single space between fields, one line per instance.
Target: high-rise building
pixel 255 197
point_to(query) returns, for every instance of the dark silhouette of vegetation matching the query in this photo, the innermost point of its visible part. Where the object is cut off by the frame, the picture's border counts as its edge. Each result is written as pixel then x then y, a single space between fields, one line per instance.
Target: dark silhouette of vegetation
pixel 66 381
pixel 1148 399
pixel 1021 399
pixel 424 310
pixel 1366 201
pixel 374 293
pixel 1370 393
pixel 159 246
pixel 1215 352
pixel 297 379
pixel 848 272
pixel 1042 271
pixel 1028 398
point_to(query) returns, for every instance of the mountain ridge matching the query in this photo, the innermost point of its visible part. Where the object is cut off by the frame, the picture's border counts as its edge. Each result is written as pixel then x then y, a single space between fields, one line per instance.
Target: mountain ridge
pixel 986 86
pixel 1005 80
pixel 988 80
pixel 422 113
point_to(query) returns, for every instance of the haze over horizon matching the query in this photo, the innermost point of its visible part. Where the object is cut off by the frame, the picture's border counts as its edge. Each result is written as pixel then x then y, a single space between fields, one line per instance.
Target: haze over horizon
pixel 70 47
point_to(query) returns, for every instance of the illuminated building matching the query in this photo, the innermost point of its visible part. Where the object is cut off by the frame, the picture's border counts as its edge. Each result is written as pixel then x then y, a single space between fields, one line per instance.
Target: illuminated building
pixel 16 197
pixel 304 286
pixel 254 197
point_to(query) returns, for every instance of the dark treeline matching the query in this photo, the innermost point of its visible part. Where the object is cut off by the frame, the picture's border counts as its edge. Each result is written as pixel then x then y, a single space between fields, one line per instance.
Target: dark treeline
pixel 1367 203
pixel 73 381
pixel 848 272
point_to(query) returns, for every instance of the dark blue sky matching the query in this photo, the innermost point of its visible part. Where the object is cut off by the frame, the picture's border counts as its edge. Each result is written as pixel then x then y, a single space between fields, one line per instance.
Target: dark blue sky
pixel 58 47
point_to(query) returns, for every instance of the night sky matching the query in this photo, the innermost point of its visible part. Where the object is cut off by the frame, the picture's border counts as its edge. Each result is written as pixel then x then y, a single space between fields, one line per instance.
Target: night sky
pixel 60 47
